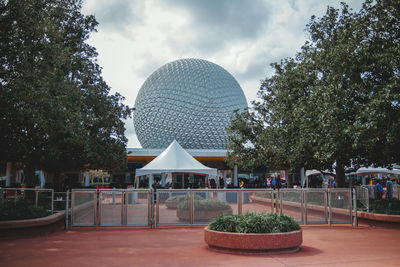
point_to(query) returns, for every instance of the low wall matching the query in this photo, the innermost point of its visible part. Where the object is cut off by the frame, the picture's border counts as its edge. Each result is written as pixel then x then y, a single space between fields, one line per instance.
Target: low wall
pixel 14 224
pixel 32 227
pixel 378 217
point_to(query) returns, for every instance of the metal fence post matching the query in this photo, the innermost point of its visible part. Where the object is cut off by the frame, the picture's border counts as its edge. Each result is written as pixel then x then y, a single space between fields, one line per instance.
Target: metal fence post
pixel 67 210
pixel 240 201
pixel 330 208
pixel 191 206
pixel 52 201
pixel 305 206
pixel 157 221
pixel 280 201
pixel 152 224
pixel 36 197
pixel 97 201
pixel 326 206
pixel 302 205
pixel 123 221
pixel 355 221
pixel 273 201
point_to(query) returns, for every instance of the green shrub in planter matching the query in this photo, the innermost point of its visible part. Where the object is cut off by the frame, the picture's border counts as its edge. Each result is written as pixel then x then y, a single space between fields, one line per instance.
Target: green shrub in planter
pixel 22 210
pixel 206 205
pixel 173 202
pixel 384 206
pixel 255 223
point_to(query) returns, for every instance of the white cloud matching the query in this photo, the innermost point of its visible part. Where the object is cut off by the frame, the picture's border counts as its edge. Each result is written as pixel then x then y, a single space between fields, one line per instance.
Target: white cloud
pixel 135 38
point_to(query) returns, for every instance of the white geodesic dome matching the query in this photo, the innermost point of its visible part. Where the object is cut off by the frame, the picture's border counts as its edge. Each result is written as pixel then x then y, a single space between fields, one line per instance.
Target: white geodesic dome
pixel 189 100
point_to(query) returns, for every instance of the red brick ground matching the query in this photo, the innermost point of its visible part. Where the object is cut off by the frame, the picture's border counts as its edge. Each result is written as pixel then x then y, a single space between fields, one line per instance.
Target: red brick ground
pixel 322 246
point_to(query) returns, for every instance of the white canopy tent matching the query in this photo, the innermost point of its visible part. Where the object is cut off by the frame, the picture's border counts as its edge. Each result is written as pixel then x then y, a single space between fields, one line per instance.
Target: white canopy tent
pixel 325 177
pixel 370 170
pixel 175 159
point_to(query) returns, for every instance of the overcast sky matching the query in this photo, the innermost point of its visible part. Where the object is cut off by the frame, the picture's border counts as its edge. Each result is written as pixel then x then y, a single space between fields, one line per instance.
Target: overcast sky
pixel 135 37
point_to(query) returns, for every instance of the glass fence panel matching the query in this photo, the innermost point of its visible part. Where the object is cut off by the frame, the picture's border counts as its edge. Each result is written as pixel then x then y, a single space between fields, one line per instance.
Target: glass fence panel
pixel 257 201
pixel 111 208
pixel 137 208
pixel 84 208
pixel 291 203
pixel 340 201
pixel 60 199
pixel 171 207
pixel 316 206
pixel 16 202
pixel 396 191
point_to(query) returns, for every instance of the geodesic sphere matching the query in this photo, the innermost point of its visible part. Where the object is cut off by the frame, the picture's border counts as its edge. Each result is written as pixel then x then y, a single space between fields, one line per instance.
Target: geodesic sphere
pixel 190 100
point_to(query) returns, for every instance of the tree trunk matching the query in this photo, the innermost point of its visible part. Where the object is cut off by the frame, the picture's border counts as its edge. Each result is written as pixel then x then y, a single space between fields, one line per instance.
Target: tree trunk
pixel 29 174
pixel 289 179
pixel 8 174
pixel 340 175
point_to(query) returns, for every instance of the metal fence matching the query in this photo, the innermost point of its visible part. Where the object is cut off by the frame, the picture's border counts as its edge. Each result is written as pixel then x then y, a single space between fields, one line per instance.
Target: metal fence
pixel 307 206
pixel 396 191
pixel 367 192
pixel 111 207
pixel 34 197
pixel 179 207
pixel 363 196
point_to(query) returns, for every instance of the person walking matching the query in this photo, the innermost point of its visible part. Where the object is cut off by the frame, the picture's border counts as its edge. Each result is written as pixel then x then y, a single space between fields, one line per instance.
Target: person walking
pixel 273 183
pixel 379 190
pixel 389 189
pixel 269 182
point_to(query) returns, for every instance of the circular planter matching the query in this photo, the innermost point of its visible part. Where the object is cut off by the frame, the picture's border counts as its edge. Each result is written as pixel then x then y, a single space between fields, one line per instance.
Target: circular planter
pixel 254 243
pixel 201 215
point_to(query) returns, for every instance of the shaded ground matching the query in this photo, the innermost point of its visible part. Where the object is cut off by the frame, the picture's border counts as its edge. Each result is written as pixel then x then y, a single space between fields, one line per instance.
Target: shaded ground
pixel 323 246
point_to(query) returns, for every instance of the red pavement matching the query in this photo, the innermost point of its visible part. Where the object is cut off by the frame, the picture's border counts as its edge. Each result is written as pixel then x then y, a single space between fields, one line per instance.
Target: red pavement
pixel 322 246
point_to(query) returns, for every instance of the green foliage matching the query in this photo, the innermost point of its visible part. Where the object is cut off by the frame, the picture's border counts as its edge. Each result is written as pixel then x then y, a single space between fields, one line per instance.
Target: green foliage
pixel 181 198
pixel 255 223
pixel 384 206
pixel 22 210
pixel 56 111
pixel 205 205
pixel 173 202
pixel 337 103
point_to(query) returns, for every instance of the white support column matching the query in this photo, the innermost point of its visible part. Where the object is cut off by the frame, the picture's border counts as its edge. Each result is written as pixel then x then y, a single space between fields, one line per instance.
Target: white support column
pixel 302 177
pixel 42 179
pixel 151 180
pixel 8 174
pixel 235 176
pixel 163 178
pixel 86 176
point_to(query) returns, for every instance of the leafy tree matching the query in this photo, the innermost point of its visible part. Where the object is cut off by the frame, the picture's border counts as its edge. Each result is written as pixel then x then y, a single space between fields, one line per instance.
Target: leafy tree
pixel 56 112
pixel 337 103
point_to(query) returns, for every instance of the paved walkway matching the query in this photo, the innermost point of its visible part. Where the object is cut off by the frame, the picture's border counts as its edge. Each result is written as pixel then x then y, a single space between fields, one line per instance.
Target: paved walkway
pixel 322 246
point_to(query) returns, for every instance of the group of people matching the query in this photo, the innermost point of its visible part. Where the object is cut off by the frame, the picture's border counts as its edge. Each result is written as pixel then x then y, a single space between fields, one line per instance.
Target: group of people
pixel 381 192
pixel 274 183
